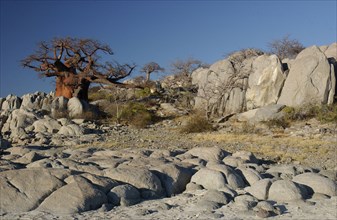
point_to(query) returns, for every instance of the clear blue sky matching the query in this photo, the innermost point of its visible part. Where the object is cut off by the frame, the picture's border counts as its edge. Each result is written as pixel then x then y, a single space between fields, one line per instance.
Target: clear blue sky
pixel 160 31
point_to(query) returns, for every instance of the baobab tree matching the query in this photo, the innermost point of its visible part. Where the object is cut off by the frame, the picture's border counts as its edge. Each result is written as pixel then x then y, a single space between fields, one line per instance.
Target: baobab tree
pixel 150 68
pixel 76 64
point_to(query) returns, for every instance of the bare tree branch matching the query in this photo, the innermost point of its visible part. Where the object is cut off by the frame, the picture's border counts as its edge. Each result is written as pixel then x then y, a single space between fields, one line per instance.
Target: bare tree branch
pixel 76 56
pixel 76 63
pixel 285 47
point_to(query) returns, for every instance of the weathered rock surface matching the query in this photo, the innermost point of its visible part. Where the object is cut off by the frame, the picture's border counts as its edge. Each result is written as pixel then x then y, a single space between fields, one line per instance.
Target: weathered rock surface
pixel 265 209
pixel 68 181
pixel 285 190
pixel 248 80
pixel 245 202
pixel 260 189
pixel 218 77
pixel 309 79
pixel 19 119
pixel 266 113
pixel 217 196
pixel 174 178
pixel 76 107
pixel 209 179
pixel 36 101
pixel 265 82
pixel 124 195
pixel 28 187
pixel 77 196
pixel 208 154
pixel 11 102
pixel 148 183
pixel 331 51
pixel 233 179
pixel 70 130
pixel 46 125
pixel 247 156
pixel 317 183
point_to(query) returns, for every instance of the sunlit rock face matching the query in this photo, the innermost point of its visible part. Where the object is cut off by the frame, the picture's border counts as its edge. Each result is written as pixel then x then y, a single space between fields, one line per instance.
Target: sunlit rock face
pixel 248 80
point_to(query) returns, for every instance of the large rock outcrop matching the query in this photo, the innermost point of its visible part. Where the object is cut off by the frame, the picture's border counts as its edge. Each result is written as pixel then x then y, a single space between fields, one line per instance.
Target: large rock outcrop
pixel 309 80
pixel 221 88
pixel 248 80
pixel 239 83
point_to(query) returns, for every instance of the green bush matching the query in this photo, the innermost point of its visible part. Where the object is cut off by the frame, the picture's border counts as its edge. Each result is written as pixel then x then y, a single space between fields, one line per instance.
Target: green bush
pixel 97 95
pixel 142 93
pixel 135 114
pixel 197 123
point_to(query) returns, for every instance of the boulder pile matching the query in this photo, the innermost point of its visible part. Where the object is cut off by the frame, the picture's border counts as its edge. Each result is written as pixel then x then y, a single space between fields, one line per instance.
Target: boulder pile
pixel 249 79
pixel 41 119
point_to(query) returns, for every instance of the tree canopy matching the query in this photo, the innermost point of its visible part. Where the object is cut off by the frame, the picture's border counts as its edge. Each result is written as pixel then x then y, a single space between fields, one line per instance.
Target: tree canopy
pixel 151 67
pixel 76 63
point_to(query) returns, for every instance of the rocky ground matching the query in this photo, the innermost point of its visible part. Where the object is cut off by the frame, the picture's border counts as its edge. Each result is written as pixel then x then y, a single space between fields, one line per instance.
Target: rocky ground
pixel 53 166
pixel 118 172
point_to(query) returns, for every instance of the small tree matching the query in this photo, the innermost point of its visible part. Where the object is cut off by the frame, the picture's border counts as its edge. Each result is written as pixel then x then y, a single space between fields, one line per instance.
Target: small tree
pixel 150 68
pixel 285 47
pixel 186 67
pixel 75 63
pixel 183 69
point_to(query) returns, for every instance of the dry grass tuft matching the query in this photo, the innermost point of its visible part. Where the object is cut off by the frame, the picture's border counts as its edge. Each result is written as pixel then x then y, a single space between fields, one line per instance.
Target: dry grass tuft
pixel 323 113
pixel 280 147
pixel 197 123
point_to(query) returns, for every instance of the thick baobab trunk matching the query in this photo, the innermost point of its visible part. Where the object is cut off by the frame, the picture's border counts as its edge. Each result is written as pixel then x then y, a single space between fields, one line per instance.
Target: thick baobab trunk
pixel 70 85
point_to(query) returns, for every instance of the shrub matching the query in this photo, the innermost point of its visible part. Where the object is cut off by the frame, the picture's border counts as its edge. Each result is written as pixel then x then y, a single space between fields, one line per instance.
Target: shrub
pixel 60 114
pixel 142 119
pixel 197 123
pixel 247 128
pixel 142 93
pixel 95 95
pixel 88 115
pixel 327 113
pixel 299 113
pixel 278 123
pixel 135 114
pixel 285 47
pixel 323 113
